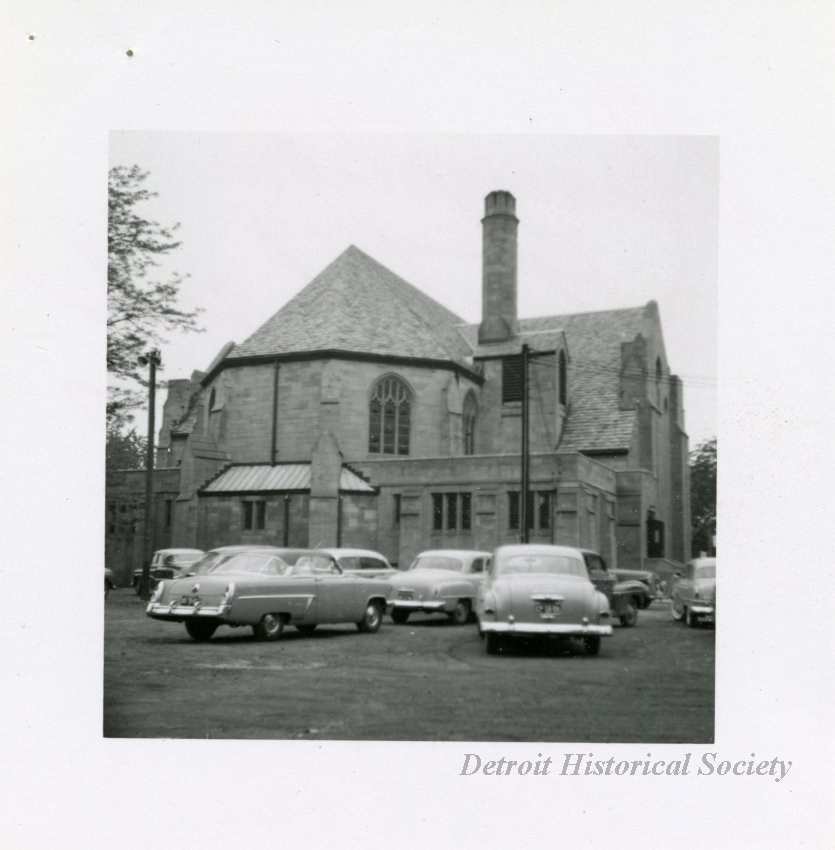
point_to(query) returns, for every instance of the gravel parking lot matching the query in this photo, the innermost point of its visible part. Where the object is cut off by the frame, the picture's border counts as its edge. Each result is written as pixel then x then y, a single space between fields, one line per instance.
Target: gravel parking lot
pixel 424 681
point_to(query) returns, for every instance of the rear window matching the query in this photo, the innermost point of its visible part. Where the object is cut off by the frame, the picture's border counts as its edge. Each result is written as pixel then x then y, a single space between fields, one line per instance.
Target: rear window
pixel 541 564
pixel 437 562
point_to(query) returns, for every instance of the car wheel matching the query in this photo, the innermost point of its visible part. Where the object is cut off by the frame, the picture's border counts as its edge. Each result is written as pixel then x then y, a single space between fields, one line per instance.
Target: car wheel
pixel 677 610
pixel 690 618
pixel 201 629
pixel 373 617
pixel 493 643
pixel 630 616
pixel 399 616
pixel 591 645
pixel 136 586
pixel 461 613
pixel 269 628
pixel 307 628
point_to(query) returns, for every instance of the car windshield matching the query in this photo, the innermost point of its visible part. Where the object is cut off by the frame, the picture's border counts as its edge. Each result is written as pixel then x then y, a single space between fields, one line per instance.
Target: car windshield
pixel 437 562
pixel 705 571
pixel 262 563
pixel 542 564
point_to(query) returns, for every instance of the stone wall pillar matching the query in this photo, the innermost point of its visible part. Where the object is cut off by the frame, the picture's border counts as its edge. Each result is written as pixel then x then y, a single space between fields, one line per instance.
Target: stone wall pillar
pixel 412 537
pixel 325 469
pixel 566 516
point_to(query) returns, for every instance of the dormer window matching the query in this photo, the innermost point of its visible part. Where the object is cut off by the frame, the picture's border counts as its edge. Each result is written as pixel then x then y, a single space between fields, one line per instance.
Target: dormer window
pixel 468 423
pixel 563 376
pixel 512 382
pixel 658 381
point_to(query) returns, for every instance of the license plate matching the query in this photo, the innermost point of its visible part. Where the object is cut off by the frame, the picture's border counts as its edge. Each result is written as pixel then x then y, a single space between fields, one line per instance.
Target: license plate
pixel 547 609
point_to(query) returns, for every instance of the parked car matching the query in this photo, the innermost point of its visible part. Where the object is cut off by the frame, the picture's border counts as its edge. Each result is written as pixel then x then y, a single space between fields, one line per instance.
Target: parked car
pixel 694 592
pixel 363 562
pixel 650 580
pixel 625 597
pixel 539 590
pixel 167 563
pixel 439 581
pixel 109 582
pixel 267 589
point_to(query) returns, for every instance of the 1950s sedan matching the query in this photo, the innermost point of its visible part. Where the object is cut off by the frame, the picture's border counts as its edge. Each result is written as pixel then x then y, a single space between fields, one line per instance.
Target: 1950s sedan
pixel 694 593
pixel 540 590
pixel 440 581
pixel 268 589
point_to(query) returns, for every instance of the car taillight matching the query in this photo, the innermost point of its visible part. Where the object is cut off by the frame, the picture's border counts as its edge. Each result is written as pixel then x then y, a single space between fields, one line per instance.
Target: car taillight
pixel 157 594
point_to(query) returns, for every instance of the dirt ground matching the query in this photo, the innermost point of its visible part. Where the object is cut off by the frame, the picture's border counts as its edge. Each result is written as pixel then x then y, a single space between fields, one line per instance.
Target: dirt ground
pixel 424 681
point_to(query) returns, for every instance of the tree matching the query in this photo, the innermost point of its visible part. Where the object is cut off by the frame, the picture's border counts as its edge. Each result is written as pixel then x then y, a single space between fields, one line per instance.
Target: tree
pixel 703 495
pixel 139 306
pixel 125 448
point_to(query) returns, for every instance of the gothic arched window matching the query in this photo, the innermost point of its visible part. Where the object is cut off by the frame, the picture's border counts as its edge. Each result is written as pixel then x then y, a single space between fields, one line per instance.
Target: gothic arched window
pixel 468 423
pixel 389 417
pixel 563 378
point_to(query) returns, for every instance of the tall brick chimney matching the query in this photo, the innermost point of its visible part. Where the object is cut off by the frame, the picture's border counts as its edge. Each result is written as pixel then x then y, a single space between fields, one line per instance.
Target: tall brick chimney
pixel 498 287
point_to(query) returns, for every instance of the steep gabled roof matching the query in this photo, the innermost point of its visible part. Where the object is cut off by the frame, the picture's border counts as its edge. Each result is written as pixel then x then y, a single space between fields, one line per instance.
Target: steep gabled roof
pixel 358 306
pixel 594 422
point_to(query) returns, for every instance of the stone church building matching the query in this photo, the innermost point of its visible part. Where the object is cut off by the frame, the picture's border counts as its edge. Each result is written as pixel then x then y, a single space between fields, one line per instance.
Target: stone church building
pixel 364 413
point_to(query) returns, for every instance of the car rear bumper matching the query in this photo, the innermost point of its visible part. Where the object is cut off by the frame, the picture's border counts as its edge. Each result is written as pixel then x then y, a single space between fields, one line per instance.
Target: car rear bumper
pixel 702 610
pixel 565 629
pixel 428 606
pixel 181 612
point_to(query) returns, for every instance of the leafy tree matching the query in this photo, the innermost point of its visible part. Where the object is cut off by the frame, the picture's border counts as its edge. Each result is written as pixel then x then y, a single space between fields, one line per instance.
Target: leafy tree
pixel 703 495
pixel 125 448
pixel 139 306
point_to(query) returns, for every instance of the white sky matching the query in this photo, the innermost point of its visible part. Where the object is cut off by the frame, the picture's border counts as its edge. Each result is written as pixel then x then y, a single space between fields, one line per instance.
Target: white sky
pixel 606 222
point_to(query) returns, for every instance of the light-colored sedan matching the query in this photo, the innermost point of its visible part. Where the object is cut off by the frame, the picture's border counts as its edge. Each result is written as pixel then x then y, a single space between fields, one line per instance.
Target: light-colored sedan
pixel 267 589
pixel 439 581
pixel 537 590
pixel 364 562
pixel 694 592
pixel 167 563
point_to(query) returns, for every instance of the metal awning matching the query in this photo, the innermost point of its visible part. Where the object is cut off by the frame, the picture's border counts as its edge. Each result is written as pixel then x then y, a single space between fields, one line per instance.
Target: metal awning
pixel 277 478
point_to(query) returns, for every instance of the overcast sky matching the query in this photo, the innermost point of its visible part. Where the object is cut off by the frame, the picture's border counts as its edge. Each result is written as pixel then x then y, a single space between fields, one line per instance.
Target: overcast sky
pixel 605 222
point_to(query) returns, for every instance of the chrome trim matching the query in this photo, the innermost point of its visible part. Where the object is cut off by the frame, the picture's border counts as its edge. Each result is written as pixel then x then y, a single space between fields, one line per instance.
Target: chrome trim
pixel 418 605
pixel 701 609
pixel 277 596
pixel 154 609
pixel 545 629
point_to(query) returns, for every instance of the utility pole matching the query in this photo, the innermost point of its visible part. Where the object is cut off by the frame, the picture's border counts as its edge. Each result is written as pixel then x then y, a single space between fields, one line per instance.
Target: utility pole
pixel 523 496
pixel 151 359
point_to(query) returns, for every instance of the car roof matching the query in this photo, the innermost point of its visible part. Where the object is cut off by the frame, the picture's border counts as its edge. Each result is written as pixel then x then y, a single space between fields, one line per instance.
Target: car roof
pixel 258 547
pixel 539 549
pixel 344 552
pixel 455 553
pixel 178 552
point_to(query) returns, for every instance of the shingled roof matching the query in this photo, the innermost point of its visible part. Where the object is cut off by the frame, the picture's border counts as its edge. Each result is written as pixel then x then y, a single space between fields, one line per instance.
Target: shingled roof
pixel 594 422
pixel 358 306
